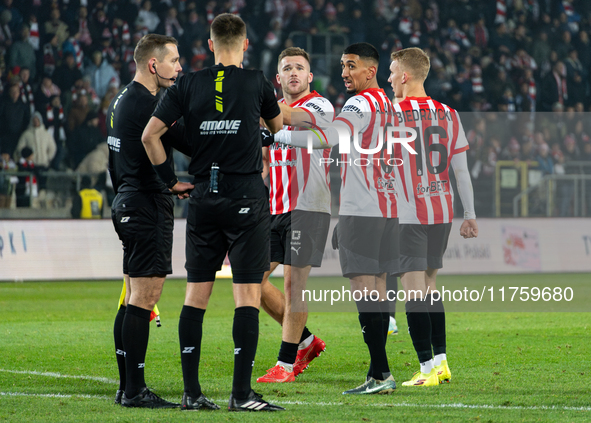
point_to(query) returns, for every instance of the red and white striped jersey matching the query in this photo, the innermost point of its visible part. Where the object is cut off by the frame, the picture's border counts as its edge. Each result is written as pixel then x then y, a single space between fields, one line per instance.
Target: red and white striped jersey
pixel 367 181
pixel 299 180
pixel 424 193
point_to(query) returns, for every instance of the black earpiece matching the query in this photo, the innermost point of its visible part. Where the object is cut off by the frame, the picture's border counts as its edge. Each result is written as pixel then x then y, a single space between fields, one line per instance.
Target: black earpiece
pixel 154 67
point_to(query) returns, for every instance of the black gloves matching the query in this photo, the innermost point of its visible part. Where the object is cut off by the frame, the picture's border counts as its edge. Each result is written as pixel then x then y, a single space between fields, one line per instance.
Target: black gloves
pixel 267 138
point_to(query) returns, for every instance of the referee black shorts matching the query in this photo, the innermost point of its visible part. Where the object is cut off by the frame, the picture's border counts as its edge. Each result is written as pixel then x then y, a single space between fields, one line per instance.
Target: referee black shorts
pixel 144 223
pixel 423 246
pixel 235 221
pixel 368 245
pixel 298 238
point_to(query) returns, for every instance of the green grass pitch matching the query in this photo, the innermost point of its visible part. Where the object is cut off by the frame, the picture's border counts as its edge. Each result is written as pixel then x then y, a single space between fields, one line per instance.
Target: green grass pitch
pixel 57 361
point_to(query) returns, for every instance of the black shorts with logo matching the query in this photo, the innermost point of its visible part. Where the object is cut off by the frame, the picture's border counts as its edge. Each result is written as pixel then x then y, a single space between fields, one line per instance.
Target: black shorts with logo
pixel 298 237
pixel 368 245
pixel 423 246
pixel 235 221
pixel 144 223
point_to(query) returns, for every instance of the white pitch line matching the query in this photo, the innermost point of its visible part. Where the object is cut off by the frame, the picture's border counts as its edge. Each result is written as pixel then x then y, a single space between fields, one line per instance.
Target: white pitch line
pixel 452 405
pixel 340 404
pixel 23 394
pixel 59 375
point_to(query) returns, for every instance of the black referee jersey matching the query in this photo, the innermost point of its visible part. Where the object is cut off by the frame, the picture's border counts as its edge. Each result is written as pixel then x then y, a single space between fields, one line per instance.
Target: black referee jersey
pixel 129 165
pixel 221 106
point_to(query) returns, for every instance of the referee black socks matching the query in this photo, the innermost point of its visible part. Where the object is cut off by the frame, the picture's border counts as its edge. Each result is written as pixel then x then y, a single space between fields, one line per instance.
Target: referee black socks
pixel 119 350
pixel 135 333
pixel 245 332
pixel 190 334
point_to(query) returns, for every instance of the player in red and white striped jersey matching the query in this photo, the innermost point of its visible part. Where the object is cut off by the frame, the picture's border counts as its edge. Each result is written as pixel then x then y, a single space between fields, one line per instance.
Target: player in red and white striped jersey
pixel 427 197
pixel 425 206
pixel 368 224
pixel 300 180
pixel 300 209
pixel 368 231
pixel 367 181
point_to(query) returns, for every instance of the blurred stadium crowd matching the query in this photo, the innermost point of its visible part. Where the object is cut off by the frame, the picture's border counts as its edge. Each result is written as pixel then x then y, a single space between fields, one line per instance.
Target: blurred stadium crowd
pixel 62 62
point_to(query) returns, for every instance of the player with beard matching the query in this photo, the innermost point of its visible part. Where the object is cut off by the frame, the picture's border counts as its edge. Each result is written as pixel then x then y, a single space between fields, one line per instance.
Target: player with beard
pixel 300 216
pixel 368 223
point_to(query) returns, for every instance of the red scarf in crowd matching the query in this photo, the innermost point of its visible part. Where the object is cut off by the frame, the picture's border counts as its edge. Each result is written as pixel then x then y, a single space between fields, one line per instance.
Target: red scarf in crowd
pixel 31 184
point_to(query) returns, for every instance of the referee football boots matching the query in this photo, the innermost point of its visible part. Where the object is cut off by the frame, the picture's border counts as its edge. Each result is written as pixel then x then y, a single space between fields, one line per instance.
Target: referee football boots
pixel 254 402
pixel 374 386
pixel 199 403
pixel 118 396
pixel 147 399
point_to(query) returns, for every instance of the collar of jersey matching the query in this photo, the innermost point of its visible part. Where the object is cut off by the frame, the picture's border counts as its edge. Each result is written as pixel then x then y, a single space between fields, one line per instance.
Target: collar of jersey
pixel 368 90
pixel 418 98
pixel 303 99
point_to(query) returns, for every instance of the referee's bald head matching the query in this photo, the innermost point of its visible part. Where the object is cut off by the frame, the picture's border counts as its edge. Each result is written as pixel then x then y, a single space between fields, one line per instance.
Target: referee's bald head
pixel 228 31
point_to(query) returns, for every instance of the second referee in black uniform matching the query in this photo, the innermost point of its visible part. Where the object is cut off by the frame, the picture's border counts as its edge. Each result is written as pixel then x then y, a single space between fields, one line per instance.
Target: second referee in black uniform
pixel 229 207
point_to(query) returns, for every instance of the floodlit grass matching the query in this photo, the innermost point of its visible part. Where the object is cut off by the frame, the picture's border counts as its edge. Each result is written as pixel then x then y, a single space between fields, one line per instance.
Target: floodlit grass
pixel 57 361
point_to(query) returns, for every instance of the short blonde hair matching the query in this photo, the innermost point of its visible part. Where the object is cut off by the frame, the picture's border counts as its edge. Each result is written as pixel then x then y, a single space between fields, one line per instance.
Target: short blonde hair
pixel 414 61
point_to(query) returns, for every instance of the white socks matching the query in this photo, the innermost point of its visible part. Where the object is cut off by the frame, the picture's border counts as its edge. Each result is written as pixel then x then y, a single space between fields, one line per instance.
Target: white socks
pixel 306 342
pixel 438 359
pixel 427 366
pixel 288 367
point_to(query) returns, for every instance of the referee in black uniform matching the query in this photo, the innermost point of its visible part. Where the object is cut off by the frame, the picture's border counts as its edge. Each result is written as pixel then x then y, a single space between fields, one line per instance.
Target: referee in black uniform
pixel 142 211
pixel 229 207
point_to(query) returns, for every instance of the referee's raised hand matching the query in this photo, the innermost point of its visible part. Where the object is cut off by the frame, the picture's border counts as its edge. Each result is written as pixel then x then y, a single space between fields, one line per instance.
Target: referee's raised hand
pixel 182 189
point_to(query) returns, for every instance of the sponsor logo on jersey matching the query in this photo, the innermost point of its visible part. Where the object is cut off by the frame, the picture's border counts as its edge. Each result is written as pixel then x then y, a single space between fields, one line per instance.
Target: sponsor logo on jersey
pixel 244 210
pixel 291 163
pixel 386 184
pixel 280 146
pixel 433 189
pixel 114 143
pixel 296 235
pixel 316 107
pixel 220 127
pixel 354 109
